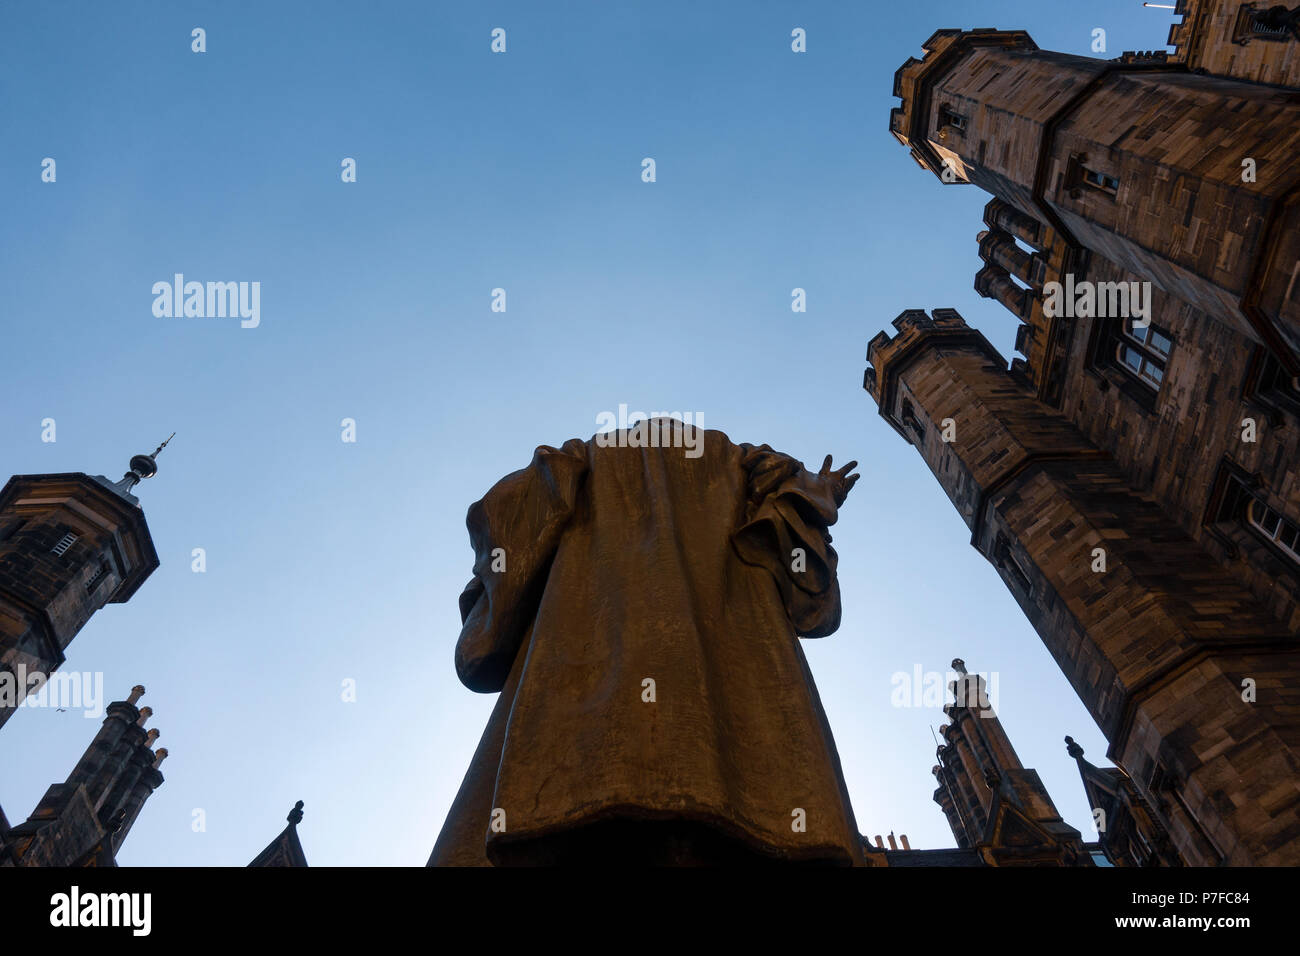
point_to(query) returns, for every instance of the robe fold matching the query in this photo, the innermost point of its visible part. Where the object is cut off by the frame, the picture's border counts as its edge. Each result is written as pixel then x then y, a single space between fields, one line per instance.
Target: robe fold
pixel 638 610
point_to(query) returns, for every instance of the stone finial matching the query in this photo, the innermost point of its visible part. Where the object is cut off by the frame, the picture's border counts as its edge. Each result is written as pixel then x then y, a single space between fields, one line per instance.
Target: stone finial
pixel 151 736
pixel 159 756
pixel 902 838
pixel 145 713
pixel 1073 749
pixel 136 693
pixel 959 666
pixel 295 815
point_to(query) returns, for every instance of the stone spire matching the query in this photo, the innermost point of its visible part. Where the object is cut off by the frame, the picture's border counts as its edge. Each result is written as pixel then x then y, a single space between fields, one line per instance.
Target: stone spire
pixel 84 820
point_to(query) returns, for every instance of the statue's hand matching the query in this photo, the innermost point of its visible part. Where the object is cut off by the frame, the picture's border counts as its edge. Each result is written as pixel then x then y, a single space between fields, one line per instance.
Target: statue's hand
pixel 840 480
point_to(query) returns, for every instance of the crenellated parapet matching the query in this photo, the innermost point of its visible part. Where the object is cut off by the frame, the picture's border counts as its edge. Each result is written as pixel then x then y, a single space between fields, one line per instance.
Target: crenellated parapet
pixel 914 80
pixel 888 355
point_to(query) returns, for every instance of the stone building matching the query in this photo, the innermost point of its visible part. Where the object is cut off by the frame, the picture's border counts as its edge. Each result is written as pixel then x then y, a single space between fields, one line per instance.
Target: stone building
pixel 83 821
pixel 999 811
pixel 1134 472
pixel 69 545
pixel 995 806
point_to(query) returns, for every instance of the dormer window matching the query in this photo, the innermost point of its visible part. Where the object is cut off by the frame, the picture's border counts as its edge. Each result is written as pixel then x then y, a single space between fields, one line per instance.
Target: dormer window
pixel 1143 352
pixel 67 541
pixel 950 119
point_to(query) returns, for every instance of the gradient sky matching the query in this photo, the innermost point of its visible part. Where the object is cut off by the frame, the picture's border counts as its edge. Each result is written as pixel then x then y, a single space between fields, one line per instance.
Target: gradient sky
pixel 329 561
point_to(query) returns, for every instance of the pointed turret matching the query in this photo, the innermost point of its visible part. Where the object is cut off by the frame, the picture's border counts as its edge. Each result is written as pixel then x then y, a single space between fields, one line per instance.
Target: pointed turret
pixel 285 849
pixel 993 803
pixel 84 820
pixel 1129 831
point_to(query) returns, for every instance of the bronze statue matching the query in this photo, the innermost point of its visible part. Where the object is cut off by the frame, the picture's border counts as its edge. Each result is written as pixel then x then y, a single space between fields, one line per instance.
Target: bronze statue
pixel 637 609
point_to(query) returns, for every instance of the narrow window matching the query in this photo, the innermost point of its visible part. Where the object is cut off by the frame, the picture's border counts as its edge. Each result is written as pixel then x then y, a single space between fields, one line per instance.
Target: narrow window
pixel 1102 181
pixel 64 543
pixel 98 576
pixel 952 119
pixel 1271 387
pixel 1007 562
pixel 1275 529
pixel 911 421
pixel 1276 383
pixel 1079 176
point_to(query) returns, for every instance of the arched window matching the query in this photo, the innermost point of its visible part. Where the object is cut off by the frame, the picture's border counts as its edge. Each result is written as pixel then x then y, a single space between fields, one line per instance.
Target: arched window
pixel 1277 530
pixel 1143 352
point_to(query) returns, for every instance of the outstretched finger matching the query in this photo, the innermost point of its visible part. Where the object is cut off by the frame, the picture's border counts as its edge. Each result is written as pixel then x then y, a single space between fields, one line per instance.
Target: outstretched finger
pixel 848 468
pixel 826 466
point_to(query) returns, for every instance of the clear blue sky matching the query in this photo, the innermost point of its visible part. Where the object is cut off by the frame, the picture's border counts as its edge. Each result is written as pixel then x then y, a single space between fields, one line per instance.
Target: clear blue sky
pixel 329 561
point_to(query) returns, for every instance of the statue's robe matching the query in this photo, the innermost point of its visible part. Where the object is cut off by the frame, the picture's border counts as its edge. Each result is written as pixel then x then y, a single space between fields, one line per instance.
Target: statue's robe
pixel 625 566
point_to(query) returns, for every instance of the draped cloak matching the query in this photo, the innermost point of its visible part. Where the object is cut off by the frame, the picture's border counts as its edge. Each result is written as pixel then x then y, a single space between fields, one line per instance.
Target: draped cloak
pixel 630 565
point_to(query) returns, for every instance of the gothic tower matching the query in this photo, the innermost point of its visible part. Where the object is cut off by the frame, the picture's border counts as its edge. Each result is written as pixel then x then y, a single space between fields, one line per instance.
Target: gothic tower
pixel 1126 159
pixel 1157 638
pixel 994 805
pixel 69 544
pixel 1134 474
pixel 84 820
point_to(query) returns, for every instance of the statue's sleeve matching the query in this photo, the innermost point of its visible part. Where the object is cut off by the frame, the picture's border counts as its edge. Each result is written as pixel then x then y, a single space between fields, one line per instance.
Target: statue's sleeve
pixel 787 515
pixel 514 529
